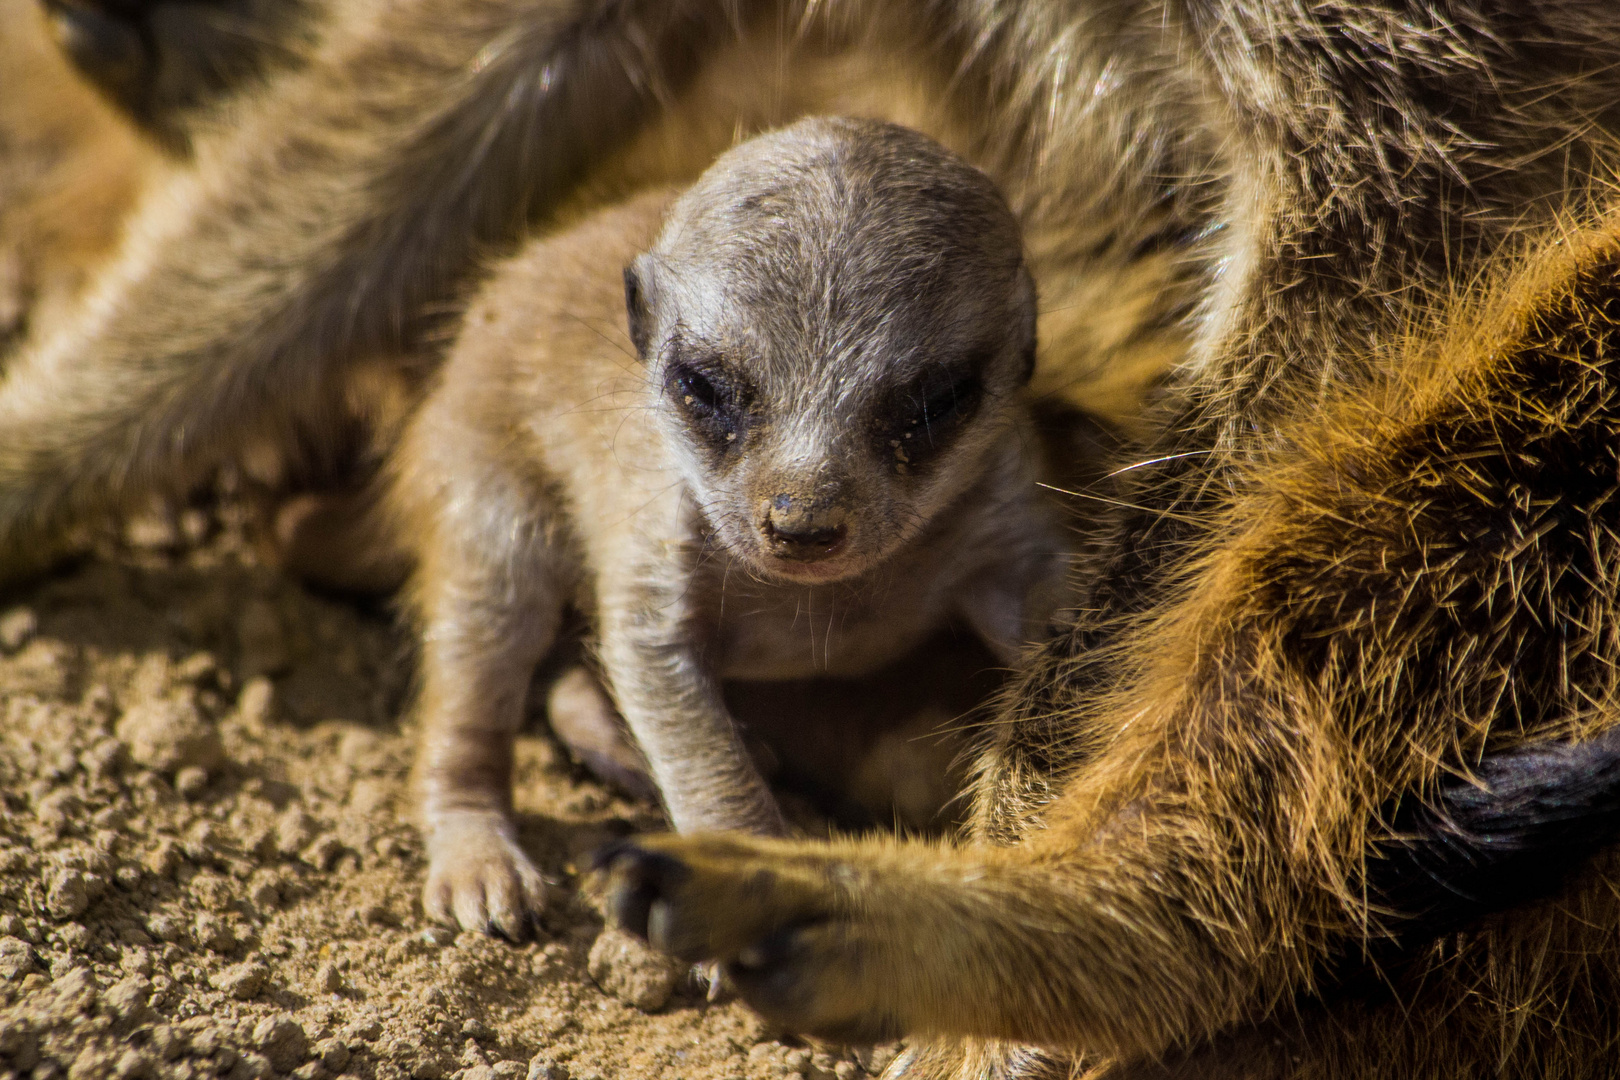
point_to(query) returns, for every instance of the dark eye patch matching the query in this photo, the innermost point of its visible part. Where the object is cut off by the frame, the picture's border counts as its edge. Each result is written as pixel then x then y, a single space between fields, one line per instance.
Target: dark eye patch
pixel 921 419
pixel 715 405
pixel 949 404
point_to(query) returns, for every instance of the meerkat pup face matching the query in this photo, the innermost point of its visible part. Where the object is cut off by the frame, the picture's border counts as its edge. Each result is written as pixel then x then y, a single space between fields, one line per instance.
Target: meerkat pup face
pixel 837 323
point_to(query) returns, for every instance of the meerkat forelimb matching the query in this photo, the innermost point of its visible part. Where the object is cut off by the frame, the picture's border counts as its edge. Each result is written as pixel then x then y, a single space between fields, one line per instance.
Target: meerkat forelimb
pixel 808 449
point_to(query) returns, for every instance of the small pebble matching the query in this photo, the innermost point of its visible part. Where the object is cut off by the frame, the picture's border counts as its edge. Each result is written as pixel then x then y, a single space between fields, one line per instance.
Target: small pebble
pixel 127 997
pixel 323 853
pixel 75 936
pixel 163 860
pixel 152 531
pixel 241 981
pixel 543 1068
pixel 166 1042
pixel 213 933
pixel 165 928
pixel 294 830
pixel 136 961
pixel 328 979
pixel 16 958
pixel 256 703
pixel 191 782
pixel 264 893
pixel 194 525
pixel 281 1039
pixel 169 734
pixel 68 895
pixel 333 1054
pixel 17 626
pixel 364 1029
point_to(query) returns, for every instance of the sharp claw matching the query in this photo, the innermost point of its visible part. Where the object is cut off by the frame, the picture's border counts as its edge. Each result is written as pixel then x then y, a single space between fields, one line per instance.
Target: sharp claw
pixel 639 899
pixel 630 907
pixel 511 937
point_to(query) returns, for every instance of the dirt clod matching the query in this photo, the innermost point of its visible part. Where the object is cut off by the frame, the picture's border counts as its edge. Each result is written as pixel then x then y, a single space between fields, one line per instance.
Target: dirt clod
pixel 16 958
pixel 543 1068
pixel 282 1041
pixel 68 895
pixel 169 734
pixel 241 981
pixel 628 969
pixel 17 626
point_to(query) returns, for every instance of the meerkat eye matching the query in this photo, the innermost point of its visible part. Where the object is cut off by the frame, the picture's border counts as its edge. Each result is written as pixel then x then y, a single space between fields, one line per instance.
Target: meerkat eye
pixel 950 404
pixel 695 390
pixel 921 418
pixel 715 407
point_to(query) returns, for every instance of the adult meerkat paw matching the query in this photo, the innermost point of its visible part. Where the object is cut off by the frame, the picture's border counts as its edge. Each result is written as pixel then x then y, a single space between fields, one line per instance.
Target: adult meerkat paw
pixel 779 922
pixel 479 878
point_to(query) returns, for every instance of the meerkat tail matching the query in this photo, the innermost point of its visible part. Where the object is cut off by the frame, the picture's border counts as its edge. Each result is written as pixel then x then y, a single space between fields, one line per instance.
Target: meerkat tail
pixel 335 221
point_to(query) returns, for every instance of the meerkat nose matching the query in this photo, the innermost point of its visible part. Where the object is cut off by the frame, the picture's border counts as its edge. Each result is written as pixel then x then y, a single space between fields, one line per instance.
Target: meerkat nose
pixel 793 533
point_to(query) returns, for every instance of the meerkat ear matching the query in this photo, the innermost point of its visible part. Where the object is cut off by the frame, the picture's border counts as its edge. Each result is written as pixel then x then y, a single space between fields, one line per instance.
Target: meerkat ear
pixel 636 304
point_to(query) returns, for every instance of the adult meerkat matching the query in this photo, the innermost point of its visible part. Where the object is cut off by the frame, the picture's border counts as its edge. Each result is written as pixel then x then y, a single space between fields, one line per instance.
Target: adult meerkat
pixel 810 452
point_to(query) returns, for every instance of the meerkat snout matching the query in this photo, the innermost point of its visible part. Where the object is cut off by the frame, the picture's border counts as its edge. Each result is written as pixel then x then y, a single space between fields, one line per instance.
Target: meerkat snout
pixel 803 529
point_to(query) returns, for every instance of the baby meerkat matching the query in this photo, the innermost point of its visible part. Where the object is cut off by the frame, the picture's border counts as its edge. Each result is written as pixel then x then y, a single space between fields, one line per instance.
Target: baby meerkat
pixel 811 451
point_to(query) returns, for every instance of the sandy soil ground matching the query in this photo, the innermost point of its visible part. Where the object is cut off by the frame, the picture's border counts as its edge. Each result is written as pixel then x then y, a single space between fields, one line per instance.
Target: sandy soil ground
pixel 205 868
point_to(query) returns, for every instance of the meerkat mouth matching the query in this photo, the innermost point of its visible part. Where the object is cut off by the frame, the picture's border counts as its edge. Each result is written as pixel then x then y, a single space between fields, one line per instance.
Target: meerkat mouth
pixel 838 564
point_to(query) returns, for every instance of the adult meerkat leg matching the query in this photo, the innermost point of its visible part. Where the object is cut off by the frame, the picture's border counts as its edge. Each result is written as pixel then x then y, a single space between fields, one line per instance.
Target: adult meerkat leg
pixel 1365 624
pixel 1366 181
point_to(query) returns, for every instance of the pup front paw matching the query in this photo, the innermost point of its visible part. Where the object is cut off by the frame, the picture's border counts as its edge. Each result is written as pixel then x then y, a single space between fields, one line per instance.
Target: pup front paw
pixel 781 925
pixel 479 878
